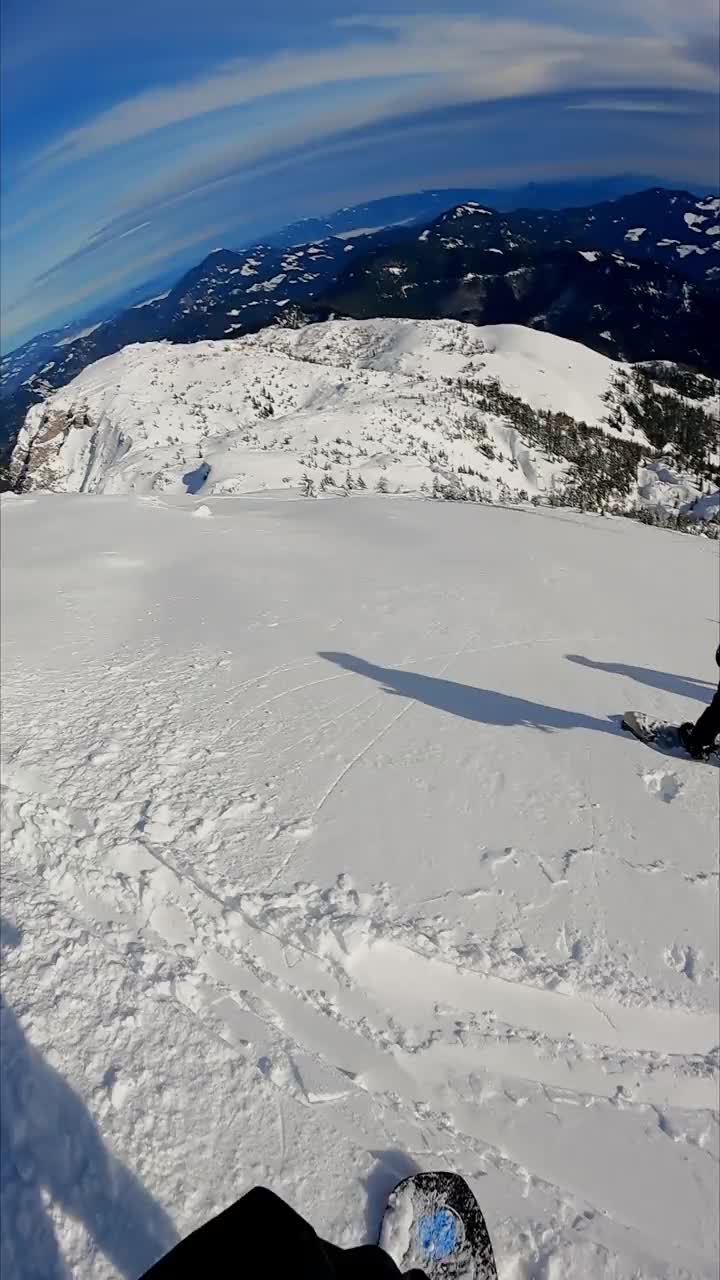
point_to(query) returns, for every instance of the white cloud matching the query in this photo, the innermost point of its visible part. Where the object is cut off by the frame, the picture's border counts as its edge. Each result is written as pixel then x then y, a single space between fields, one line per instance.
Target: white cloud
pixel 644 106
pixel 445 59
pixel 140 226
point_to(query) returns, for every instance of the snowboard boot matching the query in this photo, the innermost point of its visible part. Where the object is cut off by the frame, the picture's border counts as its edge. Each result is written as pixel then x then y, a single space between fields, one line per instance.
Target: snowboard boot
pixel 686 734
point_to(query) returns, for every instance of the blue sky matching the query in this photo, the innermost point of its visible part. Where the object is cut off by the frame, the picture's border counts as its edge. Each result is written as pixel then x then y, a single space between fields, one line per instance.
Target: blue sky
pixel 137 136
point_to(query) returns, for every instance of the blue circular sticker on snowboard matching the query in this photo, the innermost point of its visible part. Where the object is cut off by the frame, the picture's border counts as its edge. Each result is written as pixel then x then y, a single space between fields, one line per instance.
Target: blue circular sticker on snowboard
pixel 438 1233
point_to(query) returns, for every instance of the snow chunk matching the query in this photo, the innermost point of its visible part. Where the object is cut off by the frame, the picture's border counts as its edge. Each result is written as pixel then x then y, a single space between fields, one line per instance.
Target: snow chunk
pixel 706 507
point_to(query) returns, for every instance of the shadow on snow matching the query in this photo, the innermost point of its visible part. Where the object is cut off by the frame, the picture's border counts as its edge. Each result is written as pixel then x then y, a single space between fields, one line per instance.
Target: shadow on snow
pixel 390 1167
pixel 700 690
pixel 50 1147
pixel 486 706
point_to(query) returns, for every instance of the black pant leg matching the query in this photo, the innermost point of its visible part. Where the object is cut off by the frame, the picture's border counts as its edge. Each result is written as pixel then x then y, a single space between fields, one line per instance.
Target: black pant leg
pixel 257 1236
pixel 261 1238
pixel 708 726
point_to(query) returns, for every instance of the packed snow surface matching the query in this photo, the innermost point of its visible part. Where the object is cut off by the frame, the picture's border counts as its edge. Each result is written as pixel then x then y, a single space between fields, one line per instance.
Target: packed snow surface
pixel 325 860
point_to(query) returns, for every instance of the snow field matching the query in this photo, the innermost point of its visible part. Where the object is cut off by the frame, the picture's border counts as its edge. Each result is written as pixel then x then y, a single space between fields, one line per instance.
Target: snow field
pixel 324 861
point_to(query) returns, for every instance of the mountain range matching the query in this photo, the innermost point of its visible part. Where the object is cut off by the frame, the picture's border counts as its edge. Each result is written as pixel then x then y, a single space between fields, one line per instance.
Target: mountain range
pixel 635 277
pixel 423 206
pixel 538 269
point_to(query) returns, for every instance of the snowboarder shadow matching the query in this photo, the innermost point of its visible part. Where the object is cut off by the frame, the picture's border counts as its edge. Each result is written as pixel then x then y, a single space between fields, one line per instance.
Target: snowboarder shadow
pixel 685 686
pixel 486 706
pixel 50 1144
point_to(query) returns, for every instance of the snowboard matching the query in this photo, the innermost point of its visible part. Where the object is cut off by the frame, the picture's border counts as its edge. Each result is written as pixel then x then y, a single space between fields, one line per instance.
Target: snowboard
pixel 658 733
pixel 433 1221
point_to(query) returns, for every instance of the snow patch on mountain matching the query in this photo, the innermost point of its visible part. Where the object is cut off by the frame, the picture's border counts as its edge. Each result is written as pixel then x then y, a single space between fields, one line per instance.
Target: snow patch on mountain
pixel 369 231
pixel 82 333
pixel 139 305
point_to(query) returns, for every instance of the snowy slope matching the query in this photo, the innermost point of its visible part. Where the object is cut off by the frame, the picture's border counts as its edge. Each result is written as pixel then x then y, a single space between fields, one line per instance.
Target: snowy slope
pixel 372 398
pixel 324 861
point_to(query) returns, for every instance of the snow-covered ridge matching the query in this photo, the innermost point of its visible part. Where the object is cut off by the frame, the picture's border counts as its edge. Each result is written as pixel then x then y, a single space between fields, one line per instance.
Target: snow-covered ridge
pixel 344 404
pixel 370 398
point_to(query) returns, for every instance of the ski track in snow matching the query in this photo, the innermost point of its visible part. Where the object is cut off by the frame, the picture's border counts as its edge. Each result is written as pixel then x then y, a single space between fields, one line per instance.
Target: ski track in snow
pixel 189 1021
